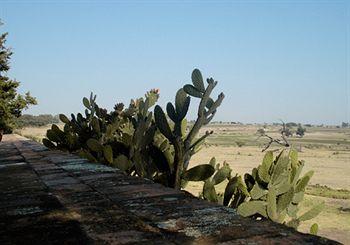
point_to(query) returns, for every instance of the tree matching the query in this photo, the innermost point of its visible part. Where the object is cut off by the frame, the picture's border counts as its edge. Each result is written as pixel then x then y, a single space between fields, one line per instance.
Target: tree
pixel 287 131
pixel 37 121
pixel 300 131
pixel 11 103
pixel 291 124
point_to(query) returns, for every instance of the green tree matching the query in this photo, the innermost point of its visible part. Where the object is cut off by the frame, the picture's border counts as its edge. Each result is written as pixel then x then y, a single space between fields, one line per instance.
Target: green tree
pixel 300 131
pixel 11 102
pixel 345 125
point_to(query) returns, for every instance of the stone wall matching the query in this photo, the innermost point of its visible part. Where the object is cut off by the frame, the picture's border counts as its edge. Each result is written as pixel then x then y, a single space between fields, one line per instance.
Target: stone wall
pixel 51 197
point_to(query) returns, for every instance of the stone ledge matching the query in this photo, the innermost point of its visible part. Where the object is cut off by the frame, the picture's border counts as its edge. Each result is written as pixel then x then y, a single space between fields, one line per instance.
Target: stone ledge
pixel 51 197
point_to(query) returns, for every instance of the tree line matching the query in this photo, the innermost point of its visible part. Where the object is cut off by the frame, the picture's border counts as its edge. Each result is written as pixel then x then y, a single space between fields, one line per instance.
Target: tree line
pixel 27 120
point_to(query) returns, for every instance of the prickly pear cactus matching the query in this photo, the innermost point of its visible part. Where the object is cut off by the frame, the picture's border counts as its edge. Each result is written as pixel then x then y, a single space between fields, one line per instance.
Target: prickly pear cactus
pixel 184 143
pixel 222 173
pixel 139 143
pixel 109 137
pixel 274 190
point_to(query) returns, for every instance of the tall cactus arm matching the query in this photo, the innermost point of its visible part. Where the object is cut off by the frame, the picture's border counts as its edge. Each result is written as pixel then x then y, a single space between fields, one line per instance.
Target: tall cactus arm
pixel 204 117
pixel 207 133
pixel 201 116
pixel 206 97
pixel 216 104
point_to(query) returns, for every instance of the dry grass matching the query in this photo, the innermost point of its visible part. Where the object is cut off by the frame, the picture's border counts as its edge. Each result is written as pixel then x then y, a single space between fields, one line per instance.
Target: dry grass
pixel 36 133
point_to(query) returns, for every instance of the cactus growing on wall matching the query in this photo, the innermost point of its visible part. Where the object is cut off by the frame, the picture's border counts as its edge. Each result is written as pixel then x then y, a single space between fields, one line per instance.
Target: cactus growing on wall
pixel 273 191
pixel 185 145
pixel 120 138
pixel 139 143
pixel 221 174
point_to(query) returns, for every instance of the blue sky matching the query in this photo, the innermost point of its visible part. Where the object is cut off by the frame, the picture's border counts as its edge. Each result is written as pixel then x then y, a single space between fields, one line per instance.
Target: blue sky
pixel 273 59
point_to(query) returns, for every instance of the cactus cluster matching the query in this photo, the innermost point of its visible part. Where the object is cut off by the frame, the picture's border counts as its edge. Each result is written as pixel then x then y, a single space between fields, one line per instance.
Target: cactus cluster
pixel 222 173
pixel 276 190
pixel 76 131
pixel 119 138
pixel 273 191
pixel 139 143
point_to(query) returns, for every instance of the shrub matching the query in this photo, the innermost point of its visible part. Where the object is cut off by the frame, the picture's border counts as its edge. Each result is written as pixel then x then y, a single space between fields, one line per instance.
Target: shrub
pixel 291 124
pixel 300 131
pixel 345 125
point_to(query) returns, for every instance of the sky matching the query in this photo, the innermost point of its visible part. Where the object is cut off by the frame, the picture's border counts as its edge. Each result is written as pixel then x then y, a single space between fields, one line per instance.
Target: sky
pixel 274 60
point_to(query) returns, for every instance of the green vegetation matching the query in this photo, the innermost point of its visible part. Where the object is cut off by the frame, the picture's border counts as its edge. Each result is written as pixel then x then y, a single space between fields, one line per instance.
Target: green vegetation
pixel 138 143
pixel 345 125
pixel 11 103
pixel 185 145
pixel 273 190
pixel 120 138
pixel 300 131
pixel 221 174
pixel 36 121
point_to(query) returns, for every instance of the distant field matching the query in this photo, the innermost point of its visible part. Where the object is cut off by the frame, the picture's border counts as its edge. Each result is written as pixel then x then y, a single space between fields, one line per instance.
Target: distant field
pixel 325 150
